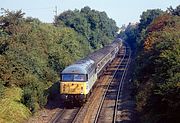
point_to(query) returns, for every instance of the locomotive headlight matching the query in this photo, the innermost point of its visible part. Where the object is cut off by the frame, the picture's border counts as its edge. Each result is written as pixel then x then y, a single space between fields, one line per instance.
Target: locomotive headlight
pixel 81 90
pixel 64 87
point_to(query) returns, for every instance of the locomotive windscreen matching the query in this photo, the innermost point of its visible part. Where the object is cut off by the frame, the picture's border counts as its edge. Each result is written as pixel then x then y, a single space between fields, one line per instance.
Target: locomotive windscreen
pixel 74 77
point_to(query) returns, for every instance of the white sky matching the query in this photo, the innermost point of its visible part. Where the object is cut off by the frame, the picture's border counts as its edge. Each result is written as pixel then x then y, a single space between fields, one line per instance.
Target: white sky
pixel 122 11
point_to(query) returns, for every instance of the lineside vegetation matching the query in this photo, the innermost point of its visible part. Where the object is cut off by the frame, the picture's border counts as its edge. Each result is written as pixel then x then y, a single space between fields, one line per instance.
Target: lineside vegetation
pixel 157 70
pixel 32 54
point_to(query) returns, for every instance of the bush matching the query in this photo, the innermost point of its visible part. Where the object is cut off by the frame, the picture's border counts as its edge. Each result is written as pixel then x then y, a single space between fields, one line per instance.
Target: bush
pixel 34 96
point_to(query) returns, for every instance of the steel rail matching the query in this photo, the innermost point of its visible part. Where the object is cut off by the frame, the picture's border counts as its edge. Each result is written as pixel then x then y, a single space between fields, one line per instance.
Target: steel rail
pixel 76 116
pixel 105 93
pixel 120 88
pixel 59 115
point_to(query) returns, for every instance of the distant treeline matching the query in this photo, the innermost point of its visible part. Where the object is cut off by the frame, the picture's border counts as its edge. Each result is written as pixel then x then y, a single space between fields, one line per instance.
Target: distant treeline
pixel 33 53
pixel 156 41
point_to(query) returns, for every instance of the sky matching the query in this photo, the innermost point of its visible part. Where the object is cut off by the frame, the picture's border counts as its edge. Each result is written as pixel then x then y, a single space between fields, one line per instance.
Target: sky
pixel 122 11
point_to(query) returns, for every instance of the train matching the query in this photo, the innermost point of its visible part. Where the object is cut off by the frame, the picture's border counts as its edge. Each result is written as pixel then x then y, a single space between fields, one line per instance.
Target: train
pixel 78 79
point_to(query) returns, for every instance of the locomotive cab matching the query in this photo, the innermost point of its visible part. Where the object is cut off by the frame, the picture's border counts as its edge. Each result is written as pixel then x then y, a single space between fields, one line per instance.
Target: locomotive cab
pixel 74 84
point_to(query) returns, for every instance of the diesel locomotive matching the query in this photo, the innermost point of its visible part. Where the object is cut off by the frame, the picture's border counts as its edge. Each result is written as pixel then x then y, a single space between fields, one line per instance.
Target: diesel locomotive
pixel 78 79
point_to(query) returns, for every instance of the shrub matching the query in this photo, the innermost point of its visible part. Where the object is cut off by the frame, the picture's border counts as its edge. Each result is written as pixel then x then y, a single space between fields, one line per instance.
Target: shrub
pixel 34 96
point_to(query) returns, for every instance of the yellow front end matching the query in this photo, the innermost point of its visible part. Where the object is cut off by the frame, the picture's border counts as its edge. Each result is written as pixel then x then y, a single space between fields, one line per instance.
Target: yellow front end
pixel 73 88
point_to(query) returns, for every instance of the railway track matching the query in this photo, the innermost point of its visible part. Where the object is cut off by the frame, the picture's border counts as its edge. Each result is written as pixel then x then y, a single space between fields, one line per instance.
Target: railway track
pixel 66 115
pixel 119 95
pixel 111 97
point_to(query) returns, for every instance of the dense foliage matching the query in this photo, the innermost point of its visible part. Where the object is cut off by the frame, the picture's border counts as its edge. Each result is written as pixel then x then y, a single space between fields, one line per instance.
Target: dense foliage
pixel 33 53
pixel 95 26
pixel 129 34
pixel 157 73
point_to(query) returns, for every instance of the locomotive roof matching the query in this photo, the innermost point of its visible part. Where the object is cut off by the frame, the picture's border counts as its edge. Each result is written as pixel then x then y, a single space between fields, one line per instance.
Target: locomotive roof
pixel 80 67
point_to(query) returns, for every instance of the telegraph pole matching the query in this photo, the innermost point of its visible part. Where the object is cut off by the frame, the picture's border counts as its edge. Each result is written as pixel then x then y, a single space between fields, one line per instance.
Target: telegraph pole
pixel 56 11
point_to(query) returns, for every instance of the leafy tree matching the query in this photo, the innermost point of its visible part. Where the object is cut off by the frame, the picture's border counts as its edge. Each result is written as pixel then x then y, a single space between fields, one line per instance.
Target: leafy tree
pixel 174 11
pixel 147 17
pixel 157 71
pixel 33 53
pixel 91 24
pixel 10 21
pixel 131 33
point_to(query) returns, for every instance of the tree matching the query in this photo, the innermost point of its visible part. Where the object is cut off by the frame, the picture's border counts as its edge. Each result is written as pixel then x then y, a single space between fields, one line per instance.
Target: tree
pixel 91 24
pixel 157 71
pixel 131 32
pixel 147 17
pixel 174 11
pixel 32 54
pixel 10 20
